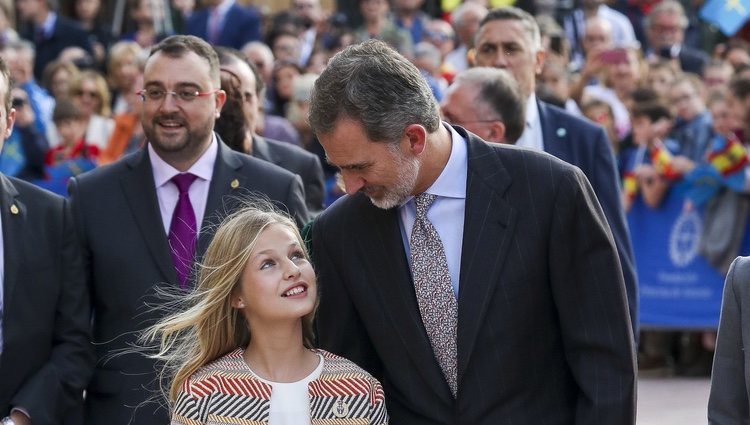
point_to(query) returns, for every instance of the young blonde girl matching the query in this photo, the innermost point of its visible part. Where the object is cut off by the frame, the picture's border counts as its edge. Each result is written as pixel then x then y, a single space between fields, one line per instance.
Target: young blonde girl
pixel 243 346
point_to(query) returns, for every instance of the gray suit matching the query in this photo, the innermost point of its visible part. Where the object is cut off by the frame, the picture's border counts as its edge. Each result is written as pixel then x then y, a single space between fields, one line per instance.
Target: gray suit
pixel 117 214
pixel 544 334
pixel 728 402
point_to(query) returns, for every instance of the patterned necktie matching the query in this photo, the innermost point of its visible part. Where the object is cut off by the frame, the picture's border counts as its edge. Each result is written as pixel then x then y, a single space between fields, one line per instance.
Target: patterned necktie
pixel 183 230
pixel 432 285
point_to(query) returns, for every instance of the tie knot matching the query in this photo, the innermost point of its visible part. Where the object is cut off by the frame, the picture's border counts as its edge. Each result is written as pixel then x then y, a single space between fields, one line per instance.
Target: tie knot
pixel 183 181
pixel 423 202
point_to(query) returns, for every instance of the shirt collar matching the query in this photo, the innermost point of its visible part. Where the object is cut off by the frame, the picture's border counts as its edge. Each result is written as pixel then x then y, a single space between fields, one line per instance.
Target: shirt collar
pixel 532 112
pixel 49 24
pixel 203 167
pixel 224 6
pixel 451 183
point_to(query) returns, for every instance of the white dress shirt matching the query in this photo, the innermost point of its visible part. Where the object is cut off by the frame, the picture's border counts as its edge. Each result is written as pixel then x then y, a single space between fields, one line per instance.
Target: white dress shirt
pixel 167 192
pixel 532 137
pixel 447 211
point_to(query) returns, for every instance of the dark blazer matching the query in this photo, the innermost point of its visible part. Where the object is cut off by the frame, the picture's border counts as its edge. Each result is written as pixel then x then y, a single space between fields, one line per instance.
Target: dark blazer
pixel 117 214
pixel 543 330
pixel 66 33
pixel 241 25
pixel 729 399
pixel 298 161
pixel 46 358
pixel 585 145
pixel 693 60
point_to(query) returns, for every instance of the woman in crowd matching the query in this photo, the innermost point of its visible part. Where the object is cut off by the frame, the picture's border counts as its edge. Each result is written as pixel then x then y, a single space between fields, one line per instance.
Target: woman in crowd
pixel 123 68
pixel 89 92
pixel 57 76
pixel 246 333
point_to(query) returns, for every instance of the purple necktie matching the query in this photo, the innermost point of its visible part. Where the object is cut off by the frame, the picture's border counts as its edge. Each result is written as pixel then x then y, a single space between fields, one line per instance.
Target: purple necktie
pixel 182 230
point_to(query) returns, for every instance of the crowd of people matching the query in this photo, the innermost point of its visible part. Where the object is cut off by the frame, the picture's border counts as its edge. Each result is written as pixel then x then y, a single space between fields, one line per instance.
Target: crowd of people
pixel 194 262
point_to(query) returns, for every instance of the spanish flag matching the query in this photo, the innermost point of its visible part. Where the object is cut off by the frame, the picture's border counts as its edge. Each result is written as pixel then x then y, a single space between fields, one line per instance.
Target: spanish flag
pixel 629 185
pixel 661 159
pixel 728 156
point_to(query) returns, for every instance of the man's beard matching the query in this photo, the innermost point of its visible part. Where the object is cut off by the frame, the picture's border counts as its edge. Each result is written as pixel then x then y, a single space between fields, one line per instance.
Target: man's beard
pixel 408 170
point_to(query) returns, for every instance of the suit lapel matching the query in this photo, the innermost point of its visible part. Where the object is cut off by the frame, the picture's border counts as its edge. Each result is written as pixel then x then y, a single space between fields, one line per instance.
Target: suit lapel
pixel 552 133
pixel 489 224
pixel 385 261
pixel 138 186
pixel 13 214
pixel 260 149
pixel 226 179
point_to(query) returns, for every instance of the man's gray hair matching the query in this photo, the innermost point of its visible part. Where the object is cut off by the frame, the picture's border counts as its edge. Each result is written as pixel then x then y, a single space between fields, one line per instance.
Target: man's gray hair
pixel 668 6
pixel 499 94
pixel 516 14
pixel 373 84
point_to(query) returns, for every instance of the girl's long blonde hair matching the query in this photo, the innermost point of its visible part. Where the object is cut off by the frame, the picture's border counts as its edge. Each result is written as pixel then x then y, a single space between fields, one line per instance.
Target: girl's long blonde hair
pixel 202 326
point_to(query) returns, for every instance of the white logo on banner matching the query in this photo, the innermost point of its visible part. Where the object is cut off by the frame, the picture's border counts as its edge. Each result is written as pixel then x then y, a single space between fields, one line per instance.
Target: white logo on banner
pixel 684 237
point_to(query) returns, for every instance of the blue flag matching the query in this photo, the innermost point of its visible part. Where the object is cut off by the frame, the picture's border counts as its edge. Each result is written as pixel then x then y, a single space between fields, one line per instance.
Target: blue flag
pixel 12 159
pixel 728 15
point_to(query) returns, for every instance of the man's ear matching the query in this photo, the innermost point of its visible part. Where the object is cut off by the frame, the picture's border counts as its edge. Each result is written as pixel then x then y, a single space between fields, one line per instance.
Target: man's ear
pixel 416 136
pixel 497 132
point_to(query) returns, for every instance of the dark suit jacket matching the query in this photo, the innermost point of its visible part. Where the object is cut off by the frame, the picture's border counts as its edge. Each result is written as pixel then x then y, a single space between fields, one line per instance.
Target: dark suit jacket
pixel 46 359
pixel 241 25
pixel 543 330
pixel 693 60
pixel 729 400
pixel 585 145
pixel 298 161
pixel 116 211
pixel 67 33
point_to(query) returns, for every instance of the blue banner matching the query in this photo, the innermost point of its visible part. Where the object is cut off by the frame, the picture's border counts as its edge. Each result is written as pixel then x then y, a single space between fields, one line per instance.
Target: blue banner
pixel 58 175
pixel 678 288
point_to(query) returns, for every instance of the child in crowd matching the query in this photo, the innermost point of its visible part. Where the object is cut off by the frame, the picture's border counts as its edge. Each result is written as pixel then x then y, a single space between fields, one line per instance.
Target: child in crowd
pixel 601 113
pixel 648 166
pixel 71 126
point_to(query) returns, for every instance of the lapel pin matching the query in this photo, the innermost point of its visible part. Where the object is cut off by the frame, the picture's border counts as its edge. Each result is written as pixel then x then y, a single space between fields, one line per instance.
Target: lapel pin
pixel 561 132
pixel 235 184
pixel 14 209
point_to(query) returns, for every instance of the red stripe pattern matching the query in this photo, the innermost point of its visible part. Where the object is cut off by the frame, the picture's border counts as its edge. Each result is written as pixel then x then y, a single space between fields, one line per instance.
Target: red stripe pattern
pixel 226 391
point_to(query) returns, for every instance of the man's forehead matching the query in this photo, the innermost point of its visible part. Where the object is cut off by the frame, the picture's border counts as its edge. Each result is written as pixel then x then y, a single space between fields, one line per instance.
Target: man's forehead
pixel 502 30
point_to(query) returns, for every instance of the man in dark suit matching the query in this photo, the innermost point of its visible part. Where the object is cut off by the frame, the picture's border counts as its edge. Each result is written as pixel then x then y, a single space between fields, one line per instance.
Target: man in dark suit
pixel 665 27
pixel 518 315
pixel 225 23
pixel 285 155
pixel 509 38
pixel 45 356
pixel 50 32
pixel 131 215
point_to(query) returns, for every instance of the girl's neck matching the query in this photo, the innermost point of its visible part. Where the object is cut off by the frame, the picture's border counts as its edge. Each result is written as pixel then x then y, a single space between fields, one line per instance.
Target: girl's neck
pixel 277 354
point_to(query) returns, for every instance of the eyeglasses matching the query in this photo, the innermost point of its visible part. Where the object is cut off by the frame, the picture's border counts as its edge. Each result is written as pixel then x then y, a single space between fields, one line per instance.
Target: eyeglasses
pixel 182 95
pixel 89 93
pixel 18 102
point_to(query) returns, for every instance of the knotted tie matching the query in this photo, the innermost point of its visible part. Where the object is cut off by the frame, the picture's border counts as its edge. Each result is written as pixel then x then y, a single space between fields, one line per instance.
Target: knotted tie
pixel 432 285
pixel 183 230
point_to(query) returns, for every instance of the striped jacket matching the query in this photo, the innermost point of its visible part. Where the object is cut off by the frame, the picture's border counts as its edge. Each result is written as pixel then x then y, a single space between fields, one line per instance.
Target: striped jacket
pixel 225 391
